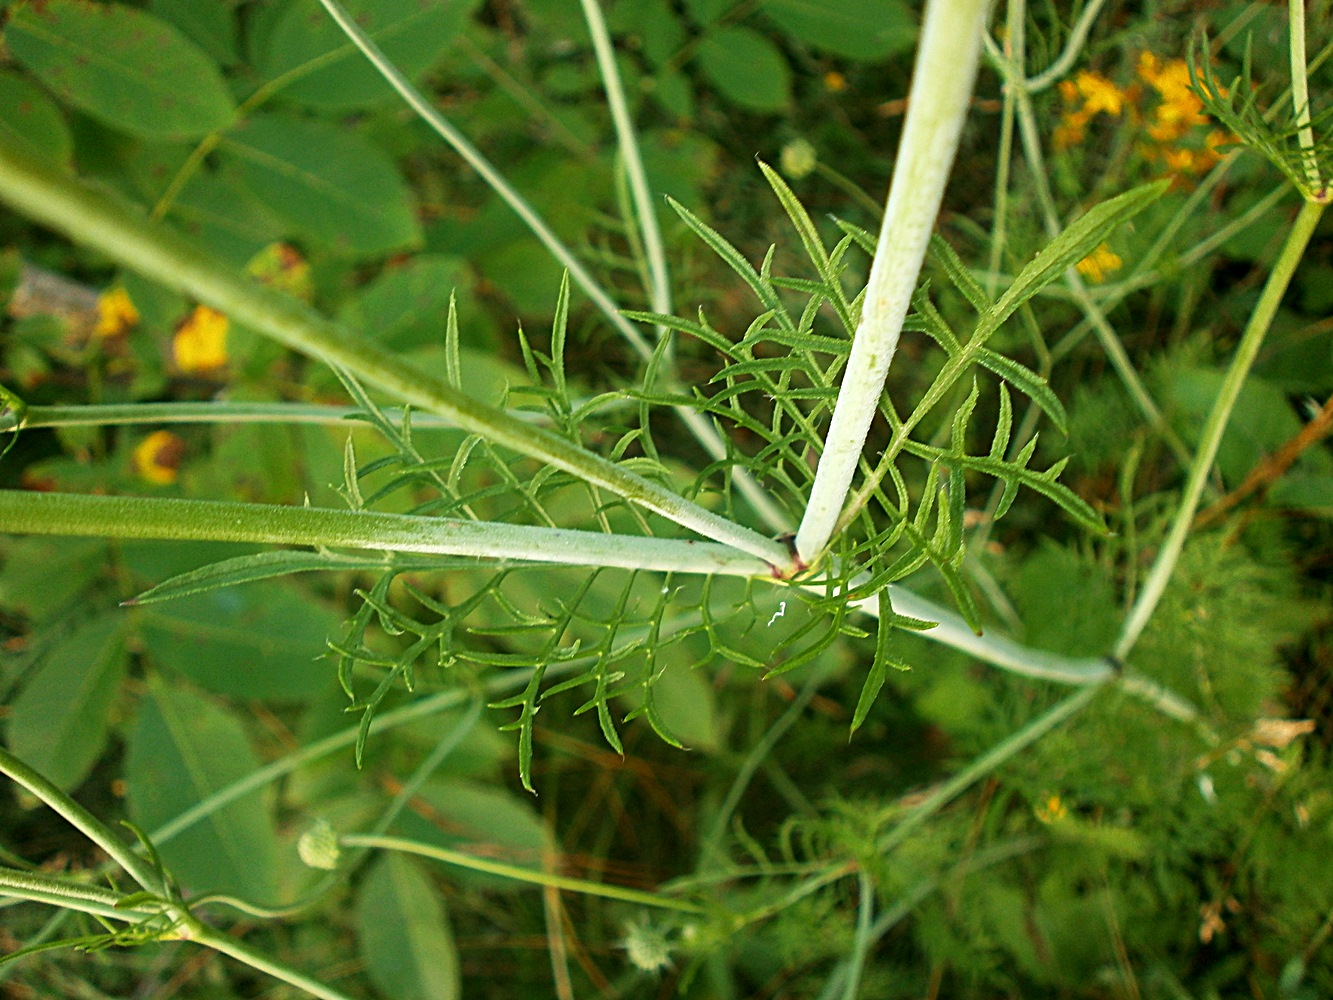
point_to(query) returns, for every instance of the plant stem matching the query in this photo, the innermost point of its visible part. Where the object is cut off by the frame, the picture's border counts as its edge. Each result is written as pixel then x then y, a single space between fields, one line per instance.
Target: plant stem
pixel 659 291
pixel 213 412
pixel 986 763
pixel 211 938
pixel 941 90
pixel 25 512
pixel 83 821
pixel 52 199
pixel 1215 427
pixel 520 874
pixel 71 896
pixel 698 425
pixel 1300 96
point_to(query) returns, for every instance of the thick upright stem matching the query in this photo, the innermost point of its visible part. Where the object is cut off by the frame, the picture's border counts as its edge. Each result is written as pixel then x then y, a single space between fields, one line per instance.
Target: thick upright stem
pixel 941 90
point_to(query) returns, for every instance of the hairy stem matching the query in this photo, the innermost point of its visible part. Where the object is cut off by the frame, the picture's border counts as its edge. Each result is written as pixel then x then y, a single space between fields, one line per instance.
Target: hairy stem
pixel 25 512
pixel 52 199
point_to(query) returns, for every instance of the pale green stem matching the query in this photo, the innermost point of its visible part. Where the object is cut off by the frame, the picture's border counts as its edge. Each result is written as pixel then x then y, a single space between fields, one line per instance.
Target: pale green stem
pixel 699 426
pixel 985 764
pixel 488 172
pixel 519 873
pixel 209 937
pixel 1106 335
pixel 25 512
pixel 659 290
pixel 58 201
pixel 1300 96
pixel 865 914
pixel 1000 651
pixel 70 896
pixel 1215 427
pixel 218 412
pixel 82 820
pixel 942 82
pixel 1069 55
pixel 1013 56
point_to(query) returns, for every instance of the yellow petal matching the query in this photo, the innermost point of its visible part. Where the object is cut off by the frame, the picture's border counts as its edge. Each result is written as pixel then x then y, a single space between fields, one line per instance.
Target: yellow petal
pixel 115 313
pixel 158 457
pixel 200 343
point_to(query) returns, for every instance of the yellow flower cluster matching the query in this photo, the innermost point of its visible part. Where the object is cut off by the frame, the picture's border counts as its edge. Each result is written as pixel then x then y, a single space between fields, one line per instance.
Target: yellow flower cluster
pixel 1159 101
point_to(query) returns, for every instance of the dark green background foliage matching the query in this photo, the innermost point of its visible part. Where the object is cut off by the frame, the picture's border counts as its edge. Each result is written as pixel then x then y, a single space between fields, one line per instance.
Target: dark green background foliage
pixel 1123 855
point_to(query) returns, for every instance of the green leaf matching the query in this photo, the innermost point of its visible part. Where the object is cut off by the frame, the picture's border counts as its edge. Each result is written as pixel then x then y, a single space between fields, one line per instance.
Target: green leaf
pixel 30 120
pixel 40 576
pixel 260 641
pixel 328 185
pixel 413 34
pixel 184 748
pixel 248 569
pixel 747 68
pixel 58 724
pixel 406 306
pixel 857 29
pixel 1071 246
pixel 404 932
pixel 211 26
pixel 123 66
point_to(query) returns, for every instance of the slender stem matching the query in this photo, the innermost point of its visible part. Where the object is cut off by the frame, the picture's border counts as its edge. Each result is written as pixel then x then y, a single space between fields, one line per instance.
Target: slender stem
pixel 210 937
pixel 519 873
pixel 941 90
pixel 698 425
pixel 62 203
pixel 70 895
pixel 986 763
pixel 1078 35
pixel 659 290
pixel 1215 427
pixel 1106 335
pixel 82 820
pixel 213 412
pixel 24 512
pixel 1300 96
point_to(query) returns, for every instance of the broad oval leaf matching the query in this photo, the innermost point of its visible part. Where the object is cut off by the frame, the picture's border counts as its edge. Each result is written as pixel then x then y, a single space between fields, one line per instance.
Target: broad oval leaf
pixel 58 724
pixel 123 66
pixel 30 120
pixel 857 29
pixel 183 749
pixel 259 641
pixel 403 927
pixel 746 68
pixel 328 70
pixel 328 185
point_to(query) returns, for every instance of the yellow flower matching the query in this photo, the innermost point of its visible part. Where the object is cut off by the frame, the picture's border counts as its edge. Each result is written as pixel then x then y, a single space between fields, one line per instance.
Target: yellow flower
pixel 1098 264
pixel 157 457
pixel 834 81
pixel 1051 810
pixel 1086 96
pixel 115 313
pixel 200 343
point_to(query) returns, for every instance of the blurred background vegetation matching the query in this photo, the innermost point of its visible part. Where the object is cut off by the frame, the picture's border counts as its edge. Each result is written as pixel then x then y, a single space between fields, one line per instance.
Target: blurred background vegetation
pixel 1123 855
